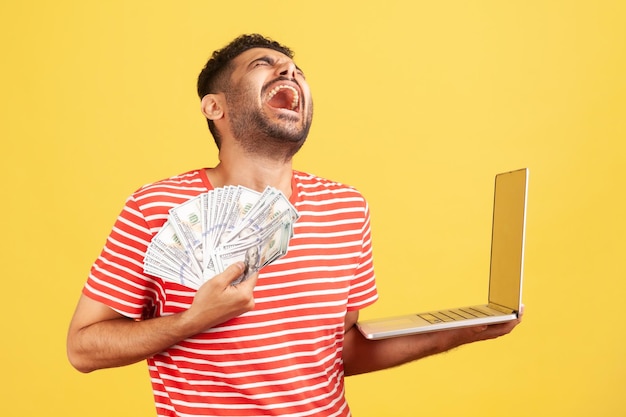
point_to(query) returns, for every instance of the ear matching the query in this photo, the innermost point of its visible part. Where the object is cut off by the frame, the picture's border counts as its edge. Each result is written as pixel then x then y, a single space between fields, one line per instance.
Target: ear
pixel 212 106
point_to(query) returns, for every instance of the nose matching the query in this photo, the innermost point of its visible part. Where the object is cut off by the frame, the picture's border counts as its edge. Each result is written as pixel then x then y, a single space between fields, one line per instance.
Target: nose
pixel 288 69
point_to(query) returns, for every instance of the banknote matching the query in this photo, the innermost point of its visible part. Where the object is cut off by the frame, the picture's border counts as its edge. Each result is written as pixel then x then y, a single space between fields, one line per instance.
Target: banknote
pixel 186 219
pixel 209 232
pixel 255 252
pixel 167 257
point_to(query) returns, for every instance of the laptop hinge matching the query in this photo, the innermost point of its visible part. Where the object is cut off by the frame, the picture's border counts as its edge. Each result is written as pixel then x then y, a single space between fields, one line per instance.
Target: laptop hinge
pixel 502 309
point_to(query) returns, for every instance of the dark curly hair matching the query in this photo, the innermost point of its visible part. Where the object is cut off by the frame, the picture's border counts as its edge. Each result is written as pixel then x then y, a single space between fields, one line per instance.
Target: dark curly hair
pixel 214 76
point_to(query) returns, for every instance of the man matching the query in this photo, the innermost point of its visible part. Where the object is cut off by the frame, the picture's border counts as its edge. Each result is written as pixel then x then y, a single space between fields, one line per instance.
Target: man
pixel 280 342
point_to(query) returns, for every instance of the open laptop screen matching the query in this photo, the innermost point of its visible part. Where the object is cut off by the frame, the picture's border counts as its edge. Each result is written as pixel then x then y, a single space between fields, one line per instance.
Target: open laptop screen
pixel 507 246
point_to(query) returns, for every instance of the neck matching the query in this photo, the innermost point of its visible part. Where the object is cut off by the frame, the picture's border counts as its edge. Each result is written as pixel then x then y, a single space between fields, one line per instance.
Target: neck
pixel 252 171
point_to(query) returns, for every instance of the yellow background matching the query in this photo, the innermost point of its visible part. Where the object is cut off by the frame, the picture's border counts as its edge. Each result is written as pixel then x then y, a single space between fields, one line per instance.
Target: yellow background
pixel 418 105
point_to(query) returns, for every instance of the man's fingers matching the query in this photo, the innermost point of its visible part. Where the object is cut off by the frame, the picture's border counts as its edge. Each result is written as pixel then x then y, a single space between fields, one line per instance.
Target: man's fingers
pixel 234 272
pixel 251 280
pixel 230 274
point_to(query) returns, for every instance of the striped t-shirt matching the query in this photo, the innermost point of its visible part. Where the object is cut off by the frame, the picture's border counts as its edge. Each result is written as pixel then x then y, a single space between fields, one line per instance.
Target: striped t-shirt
pixel 285 356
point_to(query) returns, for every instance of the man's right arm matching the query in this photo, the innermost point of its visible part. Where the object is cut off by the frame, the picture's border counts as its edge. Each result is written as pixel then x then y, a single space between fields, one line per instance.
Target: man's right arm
pixel 100 337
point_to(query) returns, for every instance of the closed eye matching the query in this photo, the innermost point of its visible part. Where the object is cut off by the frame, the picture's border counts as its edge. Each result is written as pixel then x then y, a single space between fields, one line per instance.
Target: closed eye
pixel 266 60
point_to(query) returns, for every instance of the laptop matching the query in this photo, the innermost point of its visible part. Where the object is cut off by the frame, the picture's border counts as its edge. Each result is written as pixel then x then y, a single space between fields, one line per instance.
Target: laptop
pixel 505 273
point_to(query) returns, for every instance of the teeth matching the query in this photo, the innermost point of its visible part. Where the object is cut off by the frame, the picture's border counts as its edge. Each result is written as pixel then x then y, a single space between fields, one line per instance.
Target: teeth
pixel 275 90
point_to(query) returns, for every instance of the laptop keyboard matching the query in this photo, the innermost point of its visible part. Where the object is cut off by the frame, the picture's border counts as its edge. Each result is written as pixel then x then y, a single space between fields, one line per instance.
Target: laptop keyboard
pixel 444 316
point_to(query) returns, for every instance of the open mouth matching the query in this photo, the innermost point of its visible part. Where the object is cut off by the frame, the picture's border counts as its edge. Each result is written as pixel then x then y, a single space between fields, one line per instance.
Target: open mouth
pixel 283 97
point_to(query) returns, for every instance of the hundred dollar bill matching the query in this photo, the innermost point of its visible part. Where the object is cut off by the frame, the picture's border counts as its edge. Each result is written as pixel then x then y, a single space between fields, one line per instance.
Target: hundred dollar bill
pixel 278 243
pixel 257 233
pixel 230 194
pixel 271 205
pixel 256 251
pixel 245 201
pixel 251 257
pixel 164 268
pixel 186 218
pixel 217 208
pixel 167 249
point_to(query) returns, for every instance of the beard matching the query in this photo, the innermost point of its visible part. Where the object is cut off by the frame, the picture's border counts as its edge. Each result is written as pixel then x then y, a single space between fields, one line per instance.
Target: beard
pixel 260 135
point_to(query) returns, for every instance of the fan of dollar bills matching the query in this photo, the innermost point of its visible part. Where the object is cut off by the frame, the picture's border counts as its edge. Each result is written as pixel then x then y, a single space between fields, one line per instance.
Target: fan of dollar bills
pixel 207 233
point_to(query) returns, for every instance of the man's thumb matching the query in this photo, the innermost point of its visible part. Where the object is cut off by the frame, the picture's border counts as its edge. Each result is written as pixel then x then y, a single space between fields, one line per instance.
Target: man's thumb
pixel 229 275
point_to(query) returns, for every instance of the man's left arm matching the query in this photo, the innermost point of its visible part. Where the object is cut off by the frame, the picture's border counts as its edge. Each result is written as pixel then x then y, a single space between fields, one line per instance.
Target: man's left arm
pixel 361 355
